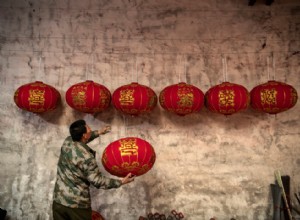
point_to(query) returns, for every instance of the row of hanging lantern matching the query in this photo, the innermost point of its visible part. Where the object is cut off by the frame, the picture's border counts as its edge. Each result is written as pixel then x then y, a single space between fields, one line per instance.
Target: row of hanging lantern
pixel 133 99
pixel 135 155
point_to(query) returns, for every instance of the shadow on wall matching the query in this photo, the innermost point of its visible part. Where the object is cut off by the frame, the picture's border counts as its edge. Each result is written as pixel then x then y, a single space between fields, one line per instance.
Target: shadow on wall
pixel 53 116
pixel 203 117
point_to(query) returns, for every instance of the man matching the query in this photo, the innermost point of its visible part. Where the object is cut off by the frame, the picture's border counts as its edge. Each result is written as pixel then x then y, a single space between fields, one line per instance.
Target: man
pixel 77 169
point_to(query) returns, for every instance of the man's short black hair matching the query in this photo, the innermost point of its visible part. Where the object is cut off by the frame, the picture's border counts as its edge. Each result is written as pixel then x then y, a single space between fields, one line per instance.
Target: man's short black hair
pixel 77 129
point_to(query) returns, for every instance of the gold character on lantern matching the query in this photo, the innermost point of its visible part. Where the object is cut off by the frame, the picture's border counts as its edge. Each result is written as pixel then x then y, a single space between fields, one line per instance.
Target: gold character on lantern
pixel 79 95
pixel 268 96
pixel 226 98
pixel 36 97
pixel 186 98
pixel 128 147
pixel 126 97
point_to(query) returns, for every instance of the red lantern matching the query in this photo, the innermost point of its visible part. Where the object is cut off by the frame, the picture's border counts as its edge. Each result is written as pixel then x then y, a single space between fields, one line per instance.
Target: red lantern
pixel 227 98
pixel 181 99
pixel 88 97
pixel 273 97
pixel 128 155
pixel 134 99
pixel 36 97
pixel 96 216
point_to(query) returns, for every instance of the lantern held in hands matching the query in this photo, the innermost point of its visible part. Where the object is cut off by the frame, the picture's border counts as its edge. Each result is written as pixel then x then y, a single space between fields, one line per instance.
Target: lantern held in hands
pixel 128 155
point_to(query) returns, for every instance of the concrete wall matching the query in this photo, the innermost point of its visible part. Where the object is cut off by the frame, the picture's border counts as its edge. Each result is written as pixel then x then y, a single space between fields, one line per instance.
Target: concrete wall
pixel 207 164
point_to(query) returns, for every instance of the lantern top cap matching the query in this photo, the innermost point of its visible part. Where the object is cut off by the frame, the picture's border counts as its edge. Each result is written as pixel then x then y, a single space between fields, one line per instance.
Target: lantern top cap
pixel 226 82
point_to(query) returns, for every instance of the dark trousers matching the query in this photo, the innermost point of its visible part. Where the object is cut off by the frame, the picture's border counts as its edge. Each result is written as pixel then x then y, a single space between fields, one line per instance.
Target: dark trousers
pixel 61 212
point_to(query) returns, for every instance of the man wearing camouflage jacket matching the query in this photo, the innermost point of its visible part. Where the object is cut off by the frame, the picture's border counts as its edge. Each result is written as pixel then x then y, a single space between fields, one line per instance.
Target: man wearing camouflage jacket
pixel 77 169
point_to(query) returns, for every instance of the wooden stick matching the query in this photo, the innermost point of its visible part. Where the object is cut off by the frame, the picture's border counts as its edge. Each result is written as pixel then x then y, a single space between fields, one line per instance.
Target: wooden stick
pixel 297 197
pixel 279 180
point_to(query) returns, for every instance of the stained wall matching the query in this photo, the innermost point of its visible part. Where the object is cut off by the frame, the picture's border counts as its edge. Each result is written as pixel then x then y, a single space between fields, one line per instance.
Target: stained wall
pixel 207 165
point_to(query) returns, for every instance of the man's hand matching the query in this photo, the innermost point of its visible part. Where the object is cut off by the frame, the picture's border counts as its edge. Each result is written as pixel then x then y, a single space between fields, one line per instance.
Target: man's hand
pixel 104 130
pixel 127 179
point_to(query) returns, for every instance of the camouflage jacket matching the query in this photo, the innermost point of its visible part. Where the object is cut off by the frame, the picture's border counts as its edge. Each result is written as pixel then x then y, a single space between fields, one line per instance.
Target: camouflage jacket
pixel 77 169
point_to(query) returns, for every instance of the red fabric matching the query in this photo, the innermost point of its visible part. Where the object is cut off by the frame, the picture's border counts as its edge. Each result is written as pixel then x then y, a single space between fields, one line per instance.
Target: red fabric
pixel 128 155
pixel 227 98
pixel 36 97
pixel 181 99
pixel 134 99
pixel 273 97
pixel 88 97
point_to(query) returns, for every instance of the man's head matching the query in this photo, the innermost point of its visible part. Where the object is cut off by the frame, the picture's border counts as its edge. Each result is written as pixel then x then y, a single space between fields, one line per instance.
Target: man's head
pixel 80 131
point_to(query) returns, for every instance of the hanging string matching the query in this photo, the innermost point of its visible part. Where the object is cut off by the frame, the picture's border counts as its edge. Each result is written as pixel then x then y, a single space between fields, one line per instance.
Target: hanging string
pixel 185 67
pixel 268 67
pixel 223 69
pixel 178 70
pixel 73 71
pixel 40 61
pixel 226 72
pixel 86 72
pixel 93 66
pixel 118 77
pixel 273 61
pixel 61 77
pixel 132 68
pixel 39 48
pixel 224 64
pixel 136 69
pixel 111 74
